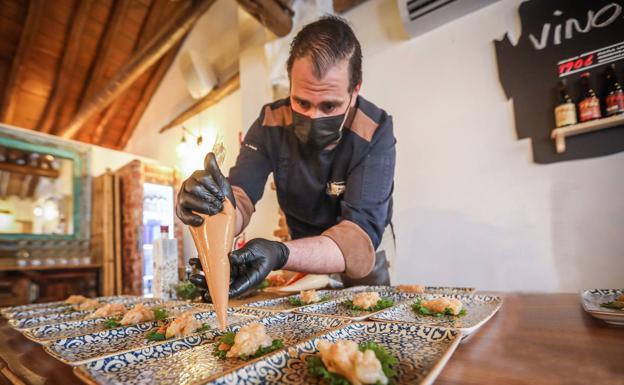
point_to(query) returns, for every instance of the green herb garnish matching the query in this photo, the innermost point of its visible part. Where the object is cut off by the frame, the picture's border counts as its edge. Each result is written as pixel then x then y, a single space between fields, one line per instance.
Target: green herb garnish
pixel 263 285
pixel 617 305
pixel 203 328
pixel 317 368
pixel 298 302
pixel 186 290
pixel 160 314
pixel 419 308
pixel 228 339
pixel 155 336
pixel 111 323
pixel 381 304
pixel 276 344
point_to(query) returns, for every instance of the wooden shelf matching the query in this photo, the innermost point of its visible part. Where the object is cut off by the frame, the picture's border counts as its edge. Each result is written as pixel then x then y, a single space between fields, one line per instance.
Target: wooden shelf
pixel 559 134
pixel 48 267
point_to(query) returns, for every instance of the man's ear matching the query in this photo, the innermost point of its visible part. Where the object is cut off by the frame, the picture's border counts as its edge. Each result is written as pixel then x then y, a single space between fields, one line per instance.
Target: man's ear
pixel 355 93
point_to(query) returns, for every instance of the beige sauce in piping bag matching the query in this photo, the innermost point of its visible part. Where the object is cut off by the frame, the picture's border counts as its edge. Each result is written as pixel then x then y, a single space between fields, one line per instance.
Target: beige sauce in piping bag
pixel 213 240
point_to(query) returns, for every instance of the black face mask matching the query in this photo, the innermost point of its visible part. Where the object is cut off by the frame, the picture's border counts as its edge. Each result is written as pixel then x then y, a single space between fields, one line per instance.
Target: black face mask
pixel 319 132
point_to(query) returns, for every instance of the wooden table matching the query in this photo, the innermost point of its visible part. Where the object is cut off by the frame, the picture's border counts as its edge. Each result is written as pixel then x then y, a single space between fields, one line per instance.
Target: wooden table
pixel 534 339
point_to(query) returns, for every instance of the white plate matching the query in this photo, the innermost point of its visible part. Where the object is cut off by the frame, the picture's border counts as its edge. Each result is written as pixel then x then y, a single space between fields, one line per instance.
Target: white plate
pixel 591 300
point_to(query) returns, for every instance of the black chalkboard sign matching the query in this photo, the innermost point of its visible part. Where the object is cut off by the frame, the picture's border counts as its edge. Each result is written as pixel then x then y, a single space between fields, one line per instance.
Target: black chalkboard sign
pixel 561 39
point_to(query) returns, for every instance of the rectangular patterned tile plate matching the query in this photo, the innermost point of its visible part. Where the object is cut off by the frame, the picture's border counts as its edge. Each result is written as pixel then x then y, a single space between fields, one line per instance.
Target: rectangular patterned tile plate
pixel 337 308
pixel 427 289
pixel 422 352
pixel 84 348
pixel 594 299
pixel 55 318
pixel 283 305
pixel 190 360
pixel 34 309
pixel 479 309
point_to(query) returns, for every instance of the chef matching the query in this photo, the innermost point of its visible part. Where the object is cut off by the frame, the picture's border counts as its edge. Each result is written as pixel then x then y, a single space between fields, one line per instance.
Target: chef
pixel 332 155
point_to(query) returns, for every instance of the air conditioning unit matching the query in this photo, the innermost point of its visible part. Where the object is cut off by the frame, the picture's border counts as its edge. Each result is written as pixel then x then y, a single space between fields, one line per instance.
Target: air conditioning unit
pixel 422 16
pixel 200 78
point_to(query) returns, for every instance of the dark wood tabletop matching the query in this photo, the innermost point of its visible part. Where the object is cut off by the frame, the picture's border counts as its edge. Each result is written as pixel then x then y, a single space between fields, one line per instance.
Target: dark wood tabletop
pixel 534 339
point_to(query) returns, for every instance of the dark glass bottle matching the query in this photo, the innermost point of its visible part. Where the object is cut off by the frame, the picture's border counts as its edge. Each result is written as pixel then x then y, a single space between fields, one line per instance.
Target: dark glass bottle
pixel 589 106
pixel 565 111
pixel 615 96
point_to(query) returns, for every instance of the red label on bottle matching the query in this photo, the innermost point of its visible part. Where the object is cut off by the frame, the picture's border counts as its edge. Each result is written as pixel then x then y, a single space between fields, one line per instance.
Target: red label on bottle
pixel 615 103
pixel 589 109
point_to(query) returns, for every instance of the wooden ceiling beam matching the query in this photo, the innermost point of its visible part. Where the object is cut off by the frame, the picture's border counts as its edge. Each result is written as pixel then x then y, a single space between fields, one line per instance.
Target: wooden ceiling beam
pixel 31 25
pixel 95 78
pixel 66 68
pixel 276 15
pixel 213 97
pixel 151 87
pixel 157 47
pixel 341 6
pixel 105 48
pixel 157 11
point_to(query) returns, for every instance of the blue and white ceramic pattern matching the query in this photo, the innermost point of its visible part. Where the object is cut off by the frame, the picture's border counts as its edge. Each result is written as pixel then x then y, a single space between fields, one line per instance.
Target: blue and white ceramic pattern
pixel 67 309
pixel 428 289
pixel 45 334
pixel 51 319
pixel 336 308
pixel 52 307
pixel 422 352
pixel 282 305
pixel 189 360
pixel 81 349
pixel 479 309
pixel 591 300
pixel 9 312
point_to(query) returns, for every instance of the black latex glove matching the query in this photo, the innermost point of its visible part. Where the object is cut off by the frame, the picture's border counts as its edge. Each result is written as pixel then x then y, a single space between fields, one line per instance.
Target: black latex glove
pixel 203 192
pixel 249 266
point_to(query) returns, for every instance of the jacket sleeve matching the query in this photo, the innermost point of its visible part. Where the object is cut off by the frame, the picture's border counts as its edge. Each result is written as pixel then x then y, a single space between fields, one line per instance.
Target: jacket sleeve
pixel 365 207
pixel 249 175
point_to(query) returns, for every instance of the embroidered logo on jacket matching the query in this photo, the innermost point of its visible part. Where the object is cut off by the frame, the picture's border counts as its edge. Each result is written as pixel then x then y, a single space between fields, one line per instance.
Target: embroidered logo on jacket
pixel 335 189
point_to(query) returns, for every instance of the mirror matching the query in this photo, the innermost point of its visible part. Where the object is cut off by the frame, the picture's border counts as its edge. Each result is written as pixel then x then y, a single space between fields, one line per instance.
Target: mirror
pixel 44 187
pixel 36 192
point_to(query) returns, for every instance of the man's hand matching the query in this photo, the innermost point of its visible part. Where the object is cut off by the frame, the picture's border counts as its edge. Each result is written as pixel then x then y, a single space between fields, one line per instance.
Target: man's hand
pixel 249 266
pixel 203 192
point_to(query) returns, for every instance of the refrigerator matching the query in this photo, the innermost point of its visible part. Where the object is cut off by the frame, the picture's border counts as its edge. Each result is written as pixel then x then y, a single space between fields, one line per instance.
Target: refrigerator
pixel 141 199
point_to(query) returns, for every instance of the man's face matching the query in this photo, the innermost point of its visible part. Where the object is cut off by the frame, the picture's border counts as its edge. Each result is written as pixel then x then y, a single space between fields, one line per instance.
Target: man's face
pixel 317 98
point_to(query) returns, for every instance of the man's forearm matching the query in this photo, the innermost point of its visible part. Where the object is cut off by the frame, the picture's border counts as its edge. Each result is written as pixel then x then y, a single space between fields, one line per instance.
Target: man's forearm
pixel 315 255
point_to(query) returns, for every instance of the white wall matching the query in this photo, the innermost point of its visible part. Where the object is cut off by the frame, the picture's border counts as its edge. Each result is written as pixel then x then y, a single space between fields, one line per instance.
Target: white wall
pixel 470 206
pixel 215 44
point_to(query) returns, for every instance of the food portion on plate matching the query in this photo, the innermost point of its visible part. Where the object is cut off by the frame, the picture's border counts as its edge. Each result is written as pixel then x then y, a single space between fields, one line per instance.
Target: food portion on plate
pixel 346 362
pixel 308 297
pixel 138 314
pixel 109 310
pixel 439 307
pixel 286 281
pixel 617 304
pixel 75 299
pixel 368 301
pixel 418 289
pixel 251 341
pixel 183 325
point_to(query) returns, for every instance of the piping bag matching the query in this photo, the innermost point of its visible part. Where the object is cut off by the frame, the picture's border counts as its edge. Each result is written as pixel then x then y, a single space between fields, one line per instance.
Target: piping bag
pixel 213 240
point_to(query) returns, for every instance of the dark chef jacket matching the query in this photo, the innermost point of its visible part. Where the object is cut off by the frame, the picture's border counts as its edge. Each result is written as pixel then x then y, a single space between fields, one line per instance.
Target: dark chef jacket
pixel 343 191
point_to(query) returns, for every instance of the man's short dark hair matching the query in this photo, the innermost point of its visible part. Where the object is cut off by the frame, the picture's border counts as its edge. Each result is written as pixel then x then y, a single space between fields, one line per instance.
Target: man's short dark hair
pixel 326 42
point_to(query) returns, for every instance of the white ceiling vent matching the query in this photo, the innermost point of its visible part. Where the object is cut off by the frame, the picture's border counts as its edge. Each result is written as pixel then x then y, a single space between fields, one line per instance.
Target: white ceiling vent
pixel 421 16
